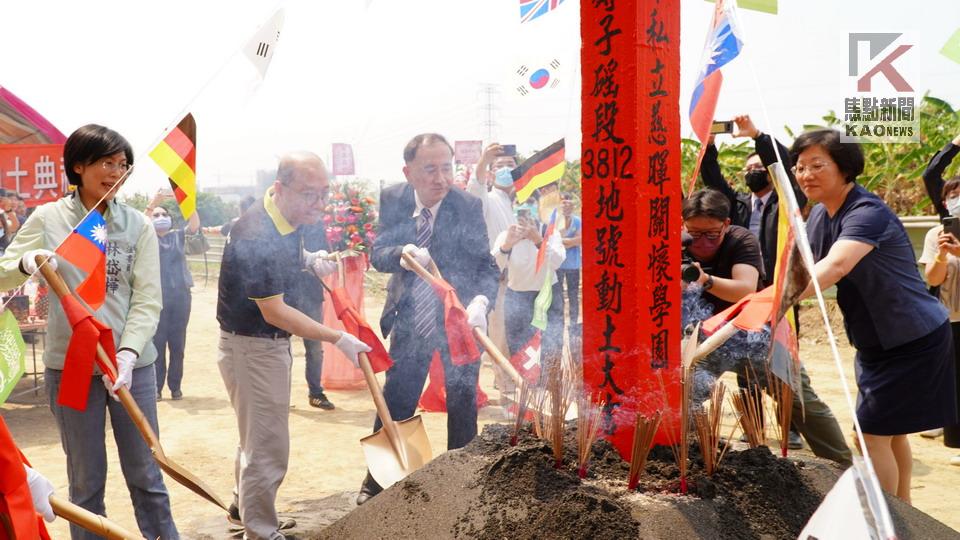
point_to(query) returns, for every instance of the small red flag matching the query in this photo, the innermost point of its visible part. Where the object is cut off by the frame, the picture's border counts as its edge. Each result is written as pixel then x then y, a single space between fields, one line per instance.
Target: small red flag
pixel 542 252
pixel 527 359
pixel 355 324
pixel 751 313
pixel 86 248
pixel 82 353
pixel 434 397
pixel 463 348
pixel 19 518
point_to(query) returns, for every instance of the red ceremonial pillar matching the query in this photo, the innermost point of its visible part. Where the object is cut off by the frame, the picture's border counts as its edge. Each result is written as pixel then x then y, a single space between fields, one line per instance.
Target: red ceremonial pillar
pixel 630 161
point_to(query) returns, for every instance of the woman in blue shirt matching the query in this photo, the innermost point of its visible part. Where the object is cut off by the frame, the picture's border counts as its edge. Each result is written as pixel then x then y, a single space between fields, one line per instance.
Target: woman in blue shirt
pixel 901 333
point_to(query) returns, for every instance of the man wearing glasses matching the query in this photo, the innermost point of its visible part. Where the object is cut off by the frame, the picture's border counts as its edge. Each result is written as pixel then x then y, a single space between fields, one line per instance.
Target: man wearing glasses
pixel 258 309
pixel 431 222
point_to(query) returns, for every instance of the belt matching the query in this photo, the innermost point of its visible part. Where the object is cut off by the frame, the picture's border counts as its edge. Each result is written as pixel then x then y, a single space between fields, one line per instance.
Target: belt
pixel 265 335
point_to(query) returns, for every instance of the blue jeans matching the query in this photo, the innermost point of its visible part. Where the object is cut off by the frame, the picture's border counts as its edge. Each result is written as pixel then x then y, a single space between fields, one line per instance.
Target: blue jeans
pixel 313 354
pixel 82 437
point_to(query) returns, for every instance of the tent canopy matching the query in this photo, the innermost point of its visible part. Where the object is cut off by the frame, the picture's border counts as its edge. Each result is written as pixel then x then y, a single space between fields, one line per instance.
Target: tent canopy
pixel 20 124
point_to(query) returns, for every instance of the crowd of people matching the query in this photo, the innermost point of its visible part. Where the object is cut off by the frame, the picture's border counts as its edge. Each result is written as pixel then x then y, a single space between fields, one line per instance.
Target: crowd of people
pixel 497 253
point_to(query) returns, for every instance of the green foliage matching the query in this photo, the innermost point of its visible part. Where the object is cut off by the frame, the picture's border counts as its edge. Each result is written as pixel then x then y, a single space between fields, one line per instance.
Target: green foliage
pixel 893 170
pixel 137 200
pixel 570 181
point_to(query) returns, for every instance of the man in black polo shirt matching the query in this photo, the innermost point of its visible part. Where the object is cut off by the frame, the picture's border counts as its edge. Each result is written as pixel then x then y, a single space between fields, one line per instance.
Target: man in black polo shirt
pixel 258 311
pixel 729 257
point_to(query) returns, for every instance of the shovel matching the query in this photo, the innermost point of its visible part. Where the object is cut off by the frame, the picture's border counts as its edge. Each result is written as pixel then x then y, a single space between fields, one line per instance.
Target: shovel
pixel 94 523
pixel 176 471
pixel 398 448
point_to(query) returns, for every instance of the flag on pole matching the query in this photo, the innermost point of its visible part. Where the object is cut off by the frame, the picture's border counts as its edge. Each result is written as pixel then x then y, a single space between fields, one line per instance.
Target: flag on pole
pixel 531 9
pixel 259 50
pixel 542 252
pixel 354 323
pixel 527 359
pixel 82 353
pixel 544 167
pixel 541 304
pixel 12 354
pixel 86 248
pixel 722 46
pixel 177 156
pixel 463 347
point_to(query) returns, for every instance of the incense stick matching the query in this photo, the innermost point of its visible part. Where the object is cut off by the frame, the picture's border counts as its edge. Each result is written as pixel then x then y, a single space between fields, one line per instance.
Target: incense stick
pixel 588 426
pixel 782 396
pixel 558 397
pixel 671 440
pixel 522 406
pixel 708 430
pixel 643 432
pixel 749 406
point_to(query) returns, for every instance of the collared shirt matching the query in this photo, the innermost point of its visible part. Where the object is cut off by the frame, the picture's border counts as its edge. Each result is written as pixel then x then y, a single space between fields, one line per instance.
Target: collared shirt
pixel 757 204
pixel 262 259
pixel 521 262
pixel 419 206
pixel 497 209
pixel 133 301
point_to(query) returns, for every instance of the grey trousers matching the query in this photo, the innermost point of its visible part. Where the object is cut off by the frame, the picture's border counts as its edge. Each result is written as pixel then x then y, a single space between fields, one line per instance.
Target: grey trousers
pixel 256 373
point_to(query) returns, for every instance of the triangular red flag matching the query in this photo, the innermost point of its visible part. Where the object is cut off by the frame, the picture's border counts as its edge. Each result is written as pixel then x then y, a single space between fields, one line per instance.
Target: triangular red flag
pixel 355 324
pixel 463 347
pixel 82 353
pixel 434 397
pixel 751 313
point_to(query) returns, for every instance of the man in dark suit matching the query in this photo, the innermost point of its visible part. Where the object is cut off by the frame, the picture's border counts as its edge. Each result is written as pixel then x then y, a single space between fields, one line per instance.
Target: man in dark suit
pixel 430 221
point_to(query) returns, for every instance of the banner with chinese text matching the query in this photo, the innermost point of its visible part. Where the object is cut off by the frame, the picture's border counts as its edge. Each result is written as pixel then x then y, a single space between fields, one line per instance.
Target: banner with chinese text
pixel 34 171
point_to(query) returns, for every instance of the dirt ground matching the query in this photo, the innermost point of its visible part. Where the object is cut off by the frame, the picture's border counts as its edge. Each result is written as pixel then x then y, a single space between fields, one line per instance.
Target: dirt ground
pixel 200 433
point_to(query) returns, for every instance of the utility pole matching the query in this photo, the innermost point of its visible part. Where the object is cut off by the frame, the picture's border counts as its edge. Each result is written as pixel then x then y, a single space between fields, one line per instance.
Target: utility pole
pixel 489 93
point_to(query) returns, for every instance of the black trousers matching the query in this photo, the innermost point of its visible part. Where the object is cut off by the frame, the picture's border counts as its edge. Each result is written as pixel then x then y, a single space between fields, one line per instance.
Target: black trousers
pixel 951 432
pixel 405 379
pixel 172 334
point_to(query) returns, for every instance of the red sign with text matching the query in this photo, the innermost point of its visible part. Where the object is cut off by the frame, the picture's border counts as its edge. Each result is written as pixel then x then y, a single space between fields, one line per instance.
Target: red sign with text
pixel 631 212
pixel 34 171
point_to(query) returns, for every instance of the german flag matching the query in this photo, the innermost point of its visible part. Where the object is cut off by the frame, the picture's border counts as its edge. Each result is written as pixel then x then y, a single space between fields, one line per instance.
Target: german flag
pixel 177 156
pixel 541 169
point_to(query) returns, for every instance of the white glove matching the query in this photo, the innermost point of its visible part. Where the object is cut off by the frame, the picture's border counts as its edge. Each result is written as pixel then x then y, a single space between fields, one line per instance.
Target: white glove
pixel 40 491
pixel 125 361
pixel 29 261
pixel 351 347
pixel 419 254
pixel 477 312
pixel 318 262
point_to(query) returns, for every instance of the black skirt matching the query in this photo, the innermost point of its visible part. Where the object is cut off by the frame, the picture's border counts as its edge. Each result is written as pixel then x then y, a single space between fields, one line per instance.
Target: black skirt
pixel 909 388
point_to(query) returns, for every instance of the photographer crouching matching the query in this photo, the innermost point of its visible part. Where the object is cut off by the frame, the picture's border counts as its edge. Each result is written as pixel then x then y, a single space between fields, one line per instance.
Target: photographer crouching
pixel 726 261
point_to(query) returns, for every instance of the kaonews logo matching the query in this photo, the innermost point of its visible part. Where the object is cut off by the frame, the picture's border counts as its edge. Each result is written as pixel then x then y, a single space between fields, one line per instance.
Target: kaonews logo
pixel 878 43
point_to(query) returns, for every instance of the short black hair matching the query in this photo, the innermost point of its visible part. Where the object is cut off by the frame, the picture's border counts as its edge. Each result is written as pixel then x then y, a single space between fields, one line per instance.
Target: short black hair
pixel 88 144
pixel 847 155
pixel 706 203
pixel 410 151
pixel 949 186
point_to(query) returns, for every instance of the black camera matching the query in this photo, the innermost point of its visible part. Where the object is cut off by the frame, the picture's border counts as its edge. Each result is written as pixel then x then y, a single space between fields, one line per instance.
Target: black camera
pixel 689 271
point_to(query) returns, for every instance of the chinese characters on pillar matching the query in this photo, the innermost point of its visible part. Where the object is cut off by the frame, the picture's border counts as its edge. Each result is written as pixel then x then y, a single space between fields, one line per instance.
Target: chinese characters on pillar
pixel 630 166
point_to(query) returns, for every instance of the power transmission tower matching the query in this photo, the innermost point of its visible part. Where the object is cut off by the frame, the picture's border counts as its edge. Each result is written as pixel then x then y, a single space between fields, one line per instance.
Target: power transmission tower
pixel 489 94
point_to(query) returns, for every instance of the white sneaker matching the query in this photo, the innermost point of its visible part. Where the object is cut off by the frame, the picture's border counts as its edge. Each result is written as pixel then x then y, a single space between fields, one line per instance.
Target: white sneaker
pixel 955 460
pixel 932 433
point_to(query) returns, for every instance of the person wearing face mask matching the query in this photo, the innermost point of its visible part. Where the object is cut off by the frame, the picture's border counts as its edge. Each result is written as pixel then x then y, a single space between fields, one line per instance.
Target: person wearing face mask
pixel 493 185
pixel 933 177
pixel 175 282
pixel 941 260
pixel 732 255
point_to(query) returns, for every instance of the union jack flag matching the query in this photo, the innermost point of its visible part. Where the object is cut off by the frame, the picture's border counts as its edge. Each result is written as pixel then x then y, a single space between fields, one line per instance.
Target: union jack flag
pixel 531 9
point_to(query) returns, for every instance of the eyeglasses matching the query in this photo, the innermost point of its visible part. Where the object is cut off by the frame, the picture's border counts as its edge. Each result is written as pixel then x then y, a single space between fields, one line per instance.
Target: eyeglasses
pixel 311 198
pixel 445 170
pixel 709 235
pixel 814 168
pixel 110 166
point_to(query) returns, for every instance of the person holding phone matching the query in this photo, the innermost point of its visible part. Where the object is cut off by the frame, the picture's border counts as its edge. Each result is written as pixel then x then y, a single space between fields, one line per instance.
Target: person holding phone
pixel 941 260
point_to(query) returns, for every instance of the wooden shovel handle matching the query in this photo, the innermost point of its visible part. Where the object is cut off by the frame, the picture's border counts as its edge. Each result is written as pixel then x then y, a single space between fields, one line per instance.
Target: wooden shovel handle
pixel 497 356
pixel 88 520
pixel 418 268
pixel 381 403
pixel 126 399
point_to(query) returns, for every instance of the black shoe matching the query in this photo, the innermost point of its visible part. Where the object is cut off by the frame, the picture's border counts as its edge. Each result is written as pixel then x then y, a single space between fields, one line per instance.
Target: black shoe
pixel 176 395
pixel 794 442
pixel 369 489
pixel 234 515
pixel 159 396
pixel 321 402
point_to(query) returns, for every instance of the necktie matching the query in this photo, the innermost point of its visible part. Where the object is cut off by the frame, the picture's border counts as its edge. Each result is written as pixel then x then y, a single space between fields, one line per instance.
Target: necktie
pixel 425 301
pixel 755 217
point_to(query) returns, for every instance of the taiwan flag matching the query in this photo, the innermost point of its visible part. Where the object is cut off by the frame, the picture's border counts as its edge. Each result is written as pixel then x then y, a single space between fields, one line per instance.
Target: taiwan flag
pixel 86 248
pixel 722 46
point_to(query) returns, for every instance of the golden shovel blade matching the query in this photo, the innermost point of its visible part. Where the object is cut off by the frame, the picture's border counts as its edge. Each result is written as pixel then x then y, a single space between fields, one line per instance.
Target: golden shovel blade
pixel 187 479
pixel 388 465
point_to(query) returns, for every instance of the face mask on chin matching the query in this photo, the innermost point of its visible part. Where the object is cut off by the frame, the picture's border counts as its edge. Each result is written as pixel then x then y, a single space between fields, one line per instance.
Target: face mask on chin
pixel 757 180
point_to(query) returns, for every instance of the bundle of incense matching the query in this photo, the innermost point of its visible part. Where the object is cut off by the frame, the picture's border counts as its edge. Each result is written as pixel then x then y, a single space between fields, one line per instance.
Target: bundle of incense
pixel 782 396
pixel 643 432
pixel 671 440
pixel 748 403
pixel 588 426
pixel 708 430
pixel 559 395
pixel 538 399
pixel 686 384
pixel 522 406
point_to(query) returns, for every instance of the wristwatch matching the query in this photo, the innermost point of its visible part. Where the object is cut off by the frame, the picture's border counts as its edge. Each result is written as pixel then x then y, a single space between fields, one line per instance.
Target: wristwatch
pixel 708 284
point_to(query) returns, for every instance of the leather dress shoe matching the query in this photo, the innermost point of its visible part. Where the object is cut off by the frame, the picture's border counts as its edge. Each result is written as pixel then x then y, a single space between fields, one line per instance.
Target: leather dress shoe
pixel 369 489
